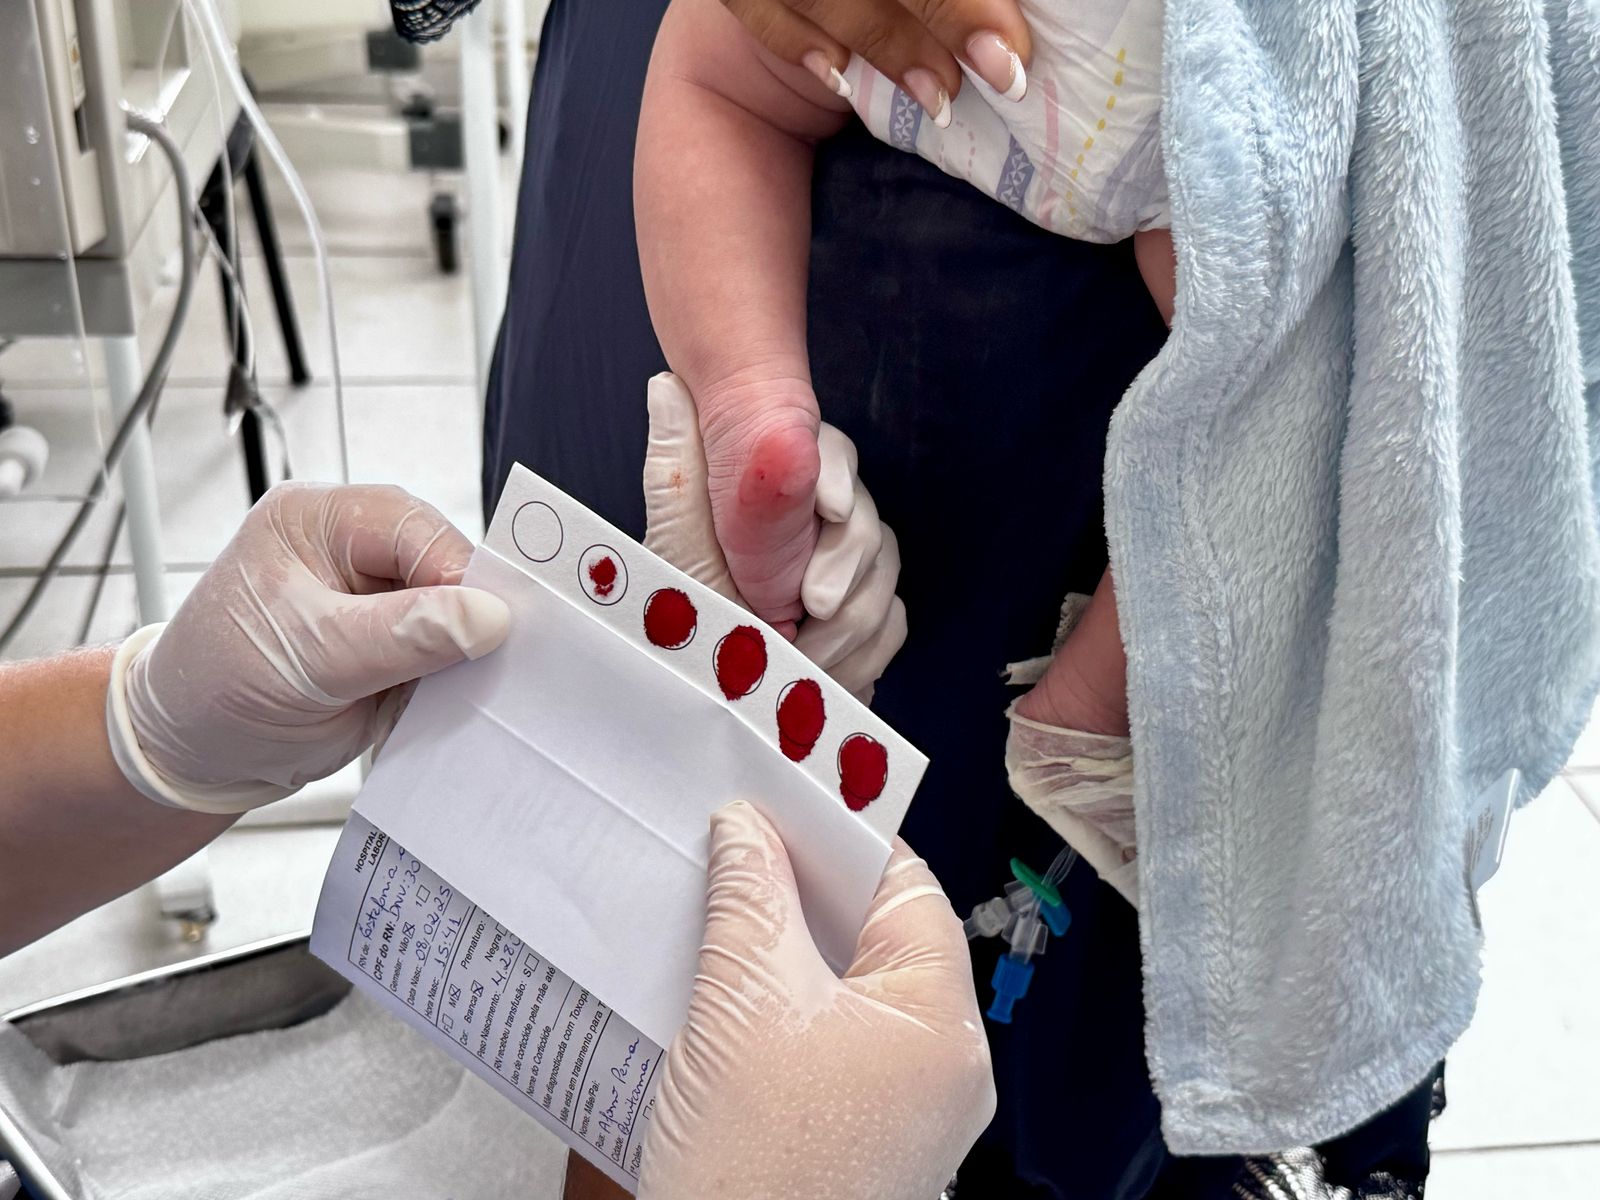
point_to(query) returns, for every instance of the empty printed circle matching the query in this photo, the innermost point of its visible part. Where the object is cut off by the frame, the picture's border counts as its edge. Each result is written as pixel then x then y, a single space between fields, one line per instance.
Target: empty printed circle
pixel 602 574
pixel 537 531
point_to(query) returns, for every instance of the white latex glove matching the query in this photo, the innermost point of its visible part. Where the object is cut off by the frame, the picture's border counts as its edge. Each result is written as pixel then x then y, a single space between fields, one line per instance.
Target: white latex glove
pixel 1081 784
pixel 787 1081
pixel 856 624
pixel 295 650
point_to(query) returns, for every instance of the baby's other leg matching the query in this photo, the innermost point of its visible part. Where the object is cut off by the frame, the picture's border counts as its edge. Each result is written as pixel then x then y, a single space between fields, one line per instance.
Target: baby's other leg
pixel 1158 263
pixel 1085 687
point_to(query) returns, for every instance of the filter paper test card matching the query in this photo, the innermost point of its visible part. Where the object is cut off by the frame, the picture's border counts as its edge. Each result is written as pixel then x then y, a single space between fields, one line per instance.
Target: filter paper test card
pixel 563 784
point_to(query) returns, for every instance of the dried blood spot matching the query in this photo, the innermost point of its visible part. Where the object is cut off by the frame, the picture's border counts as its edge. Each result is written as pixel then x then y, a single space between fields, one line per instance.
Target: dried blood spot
pixel 603 575
pixel 863 770
pixel 741 661
pixel 800 718
pixel 670 619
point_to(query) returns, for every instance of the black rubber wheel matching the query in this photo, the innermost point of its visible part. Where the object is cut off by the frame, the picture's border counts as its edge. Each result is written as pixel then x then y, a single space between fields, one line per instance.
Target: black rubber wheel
pixel 445 215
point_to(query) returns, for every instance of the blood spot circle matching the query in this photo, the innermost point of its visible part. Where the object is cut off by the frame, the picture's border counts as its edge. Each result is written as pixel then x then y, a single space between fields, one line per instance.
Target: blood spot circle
pixel 740 661
pixel 536 529
pixel 603 574
pixel 801 716
pixel 863 770
pixel 670 619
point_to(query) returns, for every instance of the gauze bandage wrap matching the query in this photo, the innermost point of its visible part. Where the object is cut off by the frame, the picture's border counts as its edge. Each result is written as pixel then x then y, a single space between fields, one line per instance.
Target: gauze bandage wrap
pixel 297 649
pixel 787 1080
pixel 1081 784
pixel 1080 152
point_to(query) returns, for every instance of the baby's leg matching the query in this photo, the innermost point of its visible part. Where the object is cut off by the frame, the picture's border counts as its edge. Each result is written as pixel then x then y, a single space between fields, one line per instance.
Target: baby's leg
pixel 722 181
pixel 1085 687
pixel 1158 263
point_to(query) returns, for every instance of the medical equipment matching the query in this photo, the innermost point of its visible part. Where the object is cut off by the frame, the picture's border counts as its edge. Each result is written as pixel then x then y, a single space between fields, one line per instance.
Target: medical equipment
pixel 86 239
pixel 23 454
pixel 301 1087
pixel 205 12
pixel 132 419
pixel 1024 915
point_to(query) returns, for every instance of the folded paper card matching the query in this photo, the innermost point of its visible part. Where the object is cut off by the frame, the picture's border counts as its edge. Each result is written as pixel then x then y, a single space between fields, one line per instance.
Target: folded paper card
pixel 564 783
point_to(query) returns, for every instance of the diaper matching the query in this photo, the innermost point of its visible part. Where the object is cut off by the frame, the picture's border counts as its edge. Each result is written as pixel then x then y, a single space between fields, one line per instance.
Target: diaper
pixel 1080 153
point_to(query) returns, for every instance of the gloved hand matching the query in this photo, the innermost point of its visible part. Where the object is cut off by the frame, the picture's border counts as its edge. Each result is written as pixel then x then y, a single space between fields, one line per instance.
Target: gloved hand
pixel 1080 783
pixel 788 1081
pixel 857 623
pixel 297 648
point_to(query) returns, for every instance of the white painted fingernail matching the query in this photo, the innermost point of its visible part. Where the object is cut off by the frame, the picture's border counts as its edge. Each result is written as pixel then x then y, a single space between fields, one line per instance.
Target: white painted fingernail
pixel 832 78
pixel 997 64
pixel 927 91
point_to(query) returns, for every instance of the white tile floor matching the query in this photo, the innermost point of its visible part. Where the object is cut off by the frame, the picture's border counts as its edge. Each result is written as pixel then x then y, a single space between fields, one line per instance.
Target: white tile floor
pixel 1524 1117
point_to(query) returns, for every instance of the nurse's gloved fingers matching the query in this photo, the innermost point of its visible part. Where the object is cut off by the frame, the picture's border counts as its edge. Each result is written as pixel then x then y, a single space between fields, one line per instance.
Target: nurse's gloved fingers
pixel 677 504
pixel 755 930
pixel 836 476
pixel 861 668
pixel 862 615
pixel 375 535
pixel 909 920
pixel 391 707
pixel 990 36
pixel 361 645
pixel 844 554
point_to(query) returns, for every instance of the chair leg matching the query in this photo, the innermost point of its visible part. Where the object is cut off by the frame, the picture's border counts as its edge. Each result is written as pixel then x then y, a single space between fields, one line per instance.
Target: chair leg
pixel 272 252
pixel 255 455
pixel 250 442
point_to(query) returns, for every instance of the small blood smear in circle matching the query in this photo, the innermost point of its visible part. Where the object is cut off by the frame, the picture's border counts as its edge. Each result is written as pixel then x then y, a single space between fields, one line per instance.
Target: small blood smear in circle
pixel 863 770
pixel 741 661
pixel 800 718
pixel 670 619
pixel 603 575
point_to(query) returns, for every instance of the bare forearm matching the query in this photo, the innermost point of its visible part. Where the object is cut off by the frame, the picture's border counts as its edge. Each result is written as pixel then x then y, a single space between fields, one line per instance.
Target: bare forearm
pixel 73 832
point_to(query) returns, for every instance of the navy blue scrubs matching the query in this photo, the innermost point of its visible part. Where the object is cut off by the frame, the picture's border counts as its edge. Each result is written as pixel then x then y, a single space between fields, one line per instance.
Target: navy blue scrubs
pixel 975 360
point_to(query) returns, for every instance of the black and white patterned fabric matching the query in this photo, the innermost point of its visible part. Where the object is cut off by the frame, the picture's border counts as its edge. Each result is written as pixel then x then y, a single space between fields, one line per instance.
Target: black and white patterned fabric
pixel 427 20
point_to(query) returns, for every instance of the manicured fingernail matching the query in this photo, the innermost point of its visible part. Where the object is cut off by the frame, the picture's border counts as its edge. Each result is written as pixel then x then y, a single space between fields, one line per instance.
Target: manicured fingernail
pixel 997 64
pixel 817 63
pixel 927 91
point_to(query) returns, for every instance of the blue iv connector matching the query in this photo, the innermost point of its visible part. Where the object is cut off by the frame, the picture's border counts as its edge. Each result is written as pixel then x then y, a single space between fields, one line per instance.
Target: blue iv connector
pixel 1012 975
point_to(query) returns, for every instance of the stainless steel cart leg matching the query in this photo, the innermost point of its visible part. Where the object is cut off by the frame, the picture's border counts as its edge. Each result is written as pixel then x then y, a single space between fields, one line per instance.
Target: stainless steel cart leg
pixel 480 133
pixel 184 893
pixel 138 474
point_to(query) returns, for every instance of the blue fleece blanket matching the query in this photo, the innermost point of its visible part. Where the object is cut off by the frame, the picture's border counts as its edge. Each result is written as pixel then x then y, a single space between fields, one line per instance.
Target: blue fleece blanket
pixel 1352 512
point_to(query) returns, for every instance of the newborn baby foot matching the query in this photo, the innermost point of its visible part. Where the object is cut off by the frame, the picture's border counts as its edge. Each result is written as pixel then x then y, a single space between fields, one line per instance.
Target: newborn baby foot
pixel 762 466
